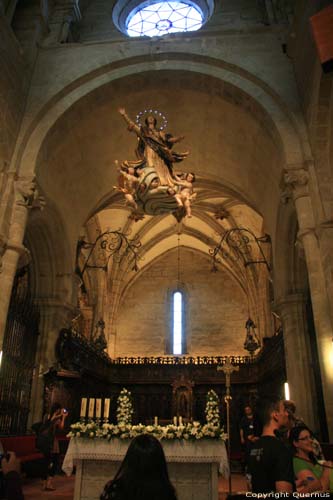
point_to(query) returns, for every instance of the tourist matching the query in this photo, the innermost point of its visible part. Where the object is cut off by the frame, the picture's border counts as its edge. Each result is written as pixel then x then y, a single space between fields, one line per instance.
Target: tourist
pixel 249 431
pixel 48 444
pixel 143 474
pixel 312 475
pixel 270 461
pixel 294 421
pixel 10 467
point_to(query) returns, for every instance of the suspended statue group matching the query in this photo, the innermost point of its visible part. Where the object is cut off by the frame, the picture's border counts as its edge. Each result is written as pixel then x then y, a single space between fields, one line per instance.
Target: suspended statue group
pixel 149 183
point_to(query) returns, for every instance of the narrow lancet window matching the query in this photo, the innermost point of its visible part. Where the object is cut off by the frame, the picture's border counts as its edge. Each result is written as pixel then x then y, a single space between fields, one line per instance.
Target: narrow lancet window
pixel 177 323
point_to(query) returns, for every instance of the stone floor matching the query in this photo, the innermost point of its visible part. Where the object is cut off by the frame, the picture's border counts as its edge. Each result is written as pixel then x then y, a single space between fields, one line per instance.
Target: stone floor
pixel 65 487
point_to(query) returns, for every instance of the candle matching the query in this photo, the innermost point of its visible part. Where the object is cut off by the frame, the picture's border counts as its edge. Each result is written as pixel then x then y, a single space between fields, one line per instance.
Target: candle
pixel 174 420
pixel 106 407
pixel 91 408
pixel 155 420
pixel 180 420
pixel 98 408
pixel 83 410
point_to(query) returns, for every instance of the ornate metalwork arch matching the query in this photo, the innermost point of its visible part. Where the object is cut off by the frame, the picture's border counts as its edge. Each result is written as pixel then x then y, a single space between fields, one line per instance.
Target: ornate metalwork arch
pixel 109 244
pixel 240 240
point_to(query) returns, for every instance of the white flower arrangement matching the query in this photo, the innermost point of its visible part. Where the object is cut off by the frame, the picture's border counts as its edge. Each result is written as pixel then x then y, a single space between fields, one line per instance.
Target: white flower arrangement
pixel 189 432
pixel 124 429
pixel 124 408
pixel 212 409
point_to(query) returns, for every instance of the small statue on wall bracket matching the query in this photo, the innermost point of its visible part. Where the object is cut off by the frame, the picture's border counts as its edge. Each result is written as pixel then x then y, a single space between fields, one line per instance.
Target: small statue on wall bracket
pixel 99 339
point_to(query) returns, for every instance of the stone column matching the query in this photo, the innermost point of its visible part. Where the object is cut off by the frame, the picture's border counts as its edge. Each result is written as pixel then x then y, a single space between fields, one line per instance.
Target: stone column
pixel 111 308
pixel 26 198
pixel 54 315
pixel 297 180
pixel 325 235
pixel 298 357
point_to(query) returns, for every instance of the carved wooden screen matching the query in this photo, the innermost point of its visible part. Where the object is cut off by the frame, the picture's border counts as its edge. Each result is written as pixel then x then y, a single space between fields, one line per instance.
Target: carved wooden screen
pixel 19 350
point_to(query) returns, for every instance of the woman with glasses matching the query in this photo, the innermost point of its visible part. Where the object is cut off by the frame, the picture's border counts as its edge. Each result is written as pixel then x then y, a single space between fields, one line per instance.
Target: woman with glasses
pixel 295 421
pixel 310 474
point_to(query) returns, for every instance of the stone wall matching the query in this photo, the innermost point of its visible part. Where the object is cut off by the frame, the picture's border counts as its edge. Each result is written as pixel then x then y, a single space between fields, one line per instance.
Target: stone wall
pixel 13 86
pixel 215 305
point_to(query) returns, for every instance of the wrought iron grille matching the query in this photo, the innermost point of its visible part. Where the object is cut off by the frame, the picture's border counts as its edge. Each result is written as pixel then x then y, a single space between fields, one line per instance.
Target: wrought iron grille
pixel 19 351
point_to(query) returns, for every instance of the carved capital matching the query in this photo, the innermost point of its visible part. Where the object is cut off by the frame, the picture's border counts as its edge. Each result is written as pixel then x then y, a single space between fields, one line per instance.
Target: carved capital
pixel 296 178
pixel 294 184
pixel 26 194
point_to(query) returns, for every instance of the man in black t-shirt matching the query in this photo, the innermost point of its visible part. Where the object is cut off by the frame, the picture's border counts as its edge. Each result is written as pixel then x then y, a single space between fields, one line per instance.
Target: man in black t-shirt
pixel 270 462
pixel 249 431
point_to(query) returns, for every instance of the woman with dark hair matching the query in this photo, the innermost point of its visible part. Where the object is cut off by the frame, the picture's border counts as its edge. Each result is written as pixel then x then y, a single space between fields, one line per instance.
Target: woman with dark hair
pixel 311 475
pixel 143 474
pixel 47 443
pixel 294 421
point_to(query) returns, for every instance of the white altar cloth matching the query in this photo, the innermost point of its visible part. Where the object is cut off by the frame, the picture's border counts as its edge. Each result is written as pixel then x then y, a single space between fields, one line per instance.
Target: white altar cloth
pixel 193 466
pixel 200 451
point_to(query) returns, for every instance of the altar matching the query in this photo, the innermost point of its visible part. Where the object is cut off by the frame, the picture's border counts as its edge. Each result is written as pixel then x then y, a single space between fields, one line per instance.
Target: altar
pixel 193 465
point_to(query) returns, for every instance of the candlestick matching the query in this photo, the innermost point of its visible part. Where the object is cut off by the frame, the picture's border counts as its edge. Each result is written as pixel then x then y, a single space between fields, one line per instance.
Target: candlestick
pixel 155 420
pixel 83 410
pixel 98 408
pixel 106 408
pixel 91 408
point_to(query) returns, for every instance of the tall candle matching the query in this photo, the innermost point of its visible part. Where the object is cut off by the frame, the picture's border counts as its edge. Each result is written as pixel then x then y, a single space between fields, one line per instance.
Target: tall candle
pixel 106 407
pixel 83 410
pixel 91 407
pixel 180 420
pixel 98 408
pixel 155 420
pixel 174 420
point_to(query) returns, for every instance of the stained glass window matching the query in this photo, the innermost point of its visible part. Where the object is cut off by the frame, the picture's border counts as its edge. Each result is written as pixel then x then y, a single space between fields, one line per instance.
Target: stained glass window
pixel 177 318
pixel 160 18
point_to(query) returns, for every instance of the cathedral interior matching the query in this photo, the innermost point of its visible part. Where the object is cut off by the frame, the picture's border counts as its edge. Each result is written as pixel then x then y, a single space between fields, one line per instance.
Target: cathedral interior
pixel 89 284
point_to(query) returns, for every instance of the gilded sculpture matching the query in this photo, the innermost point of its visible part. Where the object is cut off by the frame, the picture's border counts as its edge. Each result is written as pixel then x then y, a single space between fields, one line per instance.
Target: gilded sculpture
pixel 149 183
